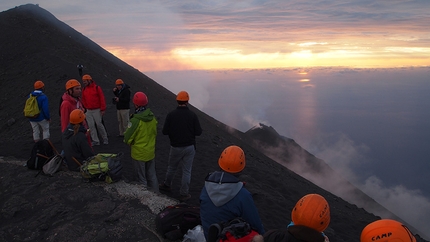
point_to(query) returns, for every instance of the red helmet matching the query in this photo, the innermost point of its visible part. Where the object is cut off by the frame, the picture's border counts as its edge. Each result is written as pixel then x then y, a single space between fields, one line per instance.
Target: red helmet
pixel 140 99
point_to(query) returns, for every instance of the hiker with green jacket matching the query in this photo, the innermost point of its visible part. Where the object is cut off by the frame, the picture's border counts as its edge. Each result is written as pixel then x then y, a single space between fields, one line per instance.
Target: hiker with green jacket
pixel 140 135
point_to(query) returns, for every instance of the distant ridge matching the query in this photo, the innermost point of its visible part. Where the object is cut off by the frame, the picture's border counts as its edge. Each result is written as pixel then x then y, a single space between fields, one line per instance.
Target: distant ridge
pixel 36 45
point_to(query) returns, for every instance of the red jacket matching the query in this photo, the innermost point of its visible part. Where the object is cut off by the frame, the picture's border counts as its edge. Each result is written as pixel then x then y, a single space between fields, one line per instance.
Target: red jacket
pixel 93 98
pixel 68 104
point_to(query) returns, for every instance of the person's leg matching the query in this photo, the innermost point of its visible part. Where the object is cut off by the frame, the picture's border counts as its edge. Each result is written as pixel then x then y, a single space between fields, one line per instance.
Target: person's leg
pixel 151 176
pixel 44 124
pixel 187 165
pixel 89 115
pixel 100 127
pixel 119 118
pixel 175 157
pixel 141 172
pixel 36 131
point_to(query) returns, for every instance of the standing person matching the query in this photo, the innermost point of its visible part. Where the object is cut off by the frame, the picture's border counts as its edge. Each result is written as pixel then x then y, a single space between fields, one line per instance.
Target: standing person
pixel 122 101
pixel 224 196
pixel 43 119
pixel 70 101
pixel 74 141
pixel 141 135
pixel 181 125
pixel 80 67
pixel 94 101
pixel 310 217
pixel 386 230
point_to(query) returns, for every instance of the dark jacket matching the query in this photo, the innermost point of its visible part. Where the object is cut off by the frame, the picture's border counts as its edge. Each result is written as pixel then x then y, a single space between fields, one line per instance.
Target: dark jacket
pixel 182 125
pixel 294 233
pixel 123 97
pixel 75 146
pixel 42 102
pixel 224 198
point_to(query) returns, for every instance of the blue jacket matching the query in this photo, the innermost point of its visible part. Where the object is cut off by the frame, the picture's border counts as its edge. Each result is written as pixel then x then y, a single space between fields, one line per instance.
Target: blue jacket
pixel 42 101
pixel 224 198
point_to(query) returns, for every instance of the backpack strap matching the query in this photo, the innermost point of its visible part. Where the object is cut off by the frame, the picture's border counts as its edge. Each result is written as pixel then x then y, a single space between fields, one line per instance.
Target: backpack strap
pixel 77 162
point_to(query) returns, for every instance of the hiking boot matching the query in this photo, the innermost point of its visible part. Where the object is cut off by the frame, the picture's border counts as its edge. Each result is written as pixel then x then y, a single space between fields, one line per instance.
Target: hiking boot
pixel 184 198
pixel 95 143
pixel 164 187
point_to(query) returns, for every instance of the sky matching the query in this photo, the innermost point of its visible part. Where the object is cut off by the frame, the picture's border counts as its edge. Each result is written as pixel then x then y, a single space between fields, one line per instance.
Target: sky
pixel 259 39
pixel 177 35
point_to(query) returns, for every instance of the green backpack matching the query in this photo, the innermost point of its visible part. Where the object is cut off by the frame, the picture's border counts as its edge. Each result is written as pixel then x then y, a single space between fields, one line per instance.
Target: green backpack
pixel 31 108
pixel 103 167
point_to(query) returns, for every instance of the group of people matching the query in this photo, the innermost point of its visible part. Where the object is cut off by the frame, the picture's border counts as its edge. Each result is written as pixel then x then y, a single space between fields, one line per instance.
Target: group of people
pixel 223 197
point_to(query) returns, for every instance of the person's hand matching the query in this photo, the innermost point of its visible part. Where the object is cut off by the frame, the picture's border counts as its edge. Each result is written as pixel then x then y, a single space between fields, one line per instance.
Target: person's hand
pixel 102 113
pixel 114 89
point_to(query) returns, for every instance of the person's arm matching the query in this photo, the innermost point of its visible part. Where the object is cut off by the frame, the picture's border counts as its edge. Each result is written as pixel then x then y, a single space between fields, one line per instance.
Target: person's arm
pixel 85 148
pixel 130 132
pixel 250 212
pixel 197 127
pixel 102 99
pixel 65 112
pixel 166 125
pixel 45 108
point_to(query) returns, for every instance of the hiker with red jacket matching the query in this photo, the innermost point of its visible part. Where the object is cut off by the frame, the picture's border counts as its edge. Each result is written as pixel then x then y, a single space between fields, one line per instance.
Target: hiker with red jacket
pixel 43 119
pixel 75 142
pixel 94 101
pixel 224 196
pixel 70 101
pixel 310 217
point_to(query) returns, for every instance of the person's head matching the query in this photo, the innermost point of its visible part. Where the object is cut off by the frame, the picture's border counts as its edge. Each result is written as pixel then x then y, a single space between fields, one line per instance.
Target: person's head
pixel 386 230
pixel 119 84
pixel 77 116
pixel 312 211
pixel 86 79
pixel 182 98
pixel 232 159
pixel 140 99
pixel 73 88
pixel 39 85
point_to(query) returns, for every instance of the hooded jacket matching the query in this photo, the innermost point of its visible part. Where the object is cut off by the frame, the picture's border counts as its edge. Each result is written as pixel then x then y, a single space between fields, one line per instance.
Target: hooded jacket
pixel 75 146
pixel 224 198
pixel 123 97
pixel 68 104
pixel 93 97
pixel 42 102
pixel 141 134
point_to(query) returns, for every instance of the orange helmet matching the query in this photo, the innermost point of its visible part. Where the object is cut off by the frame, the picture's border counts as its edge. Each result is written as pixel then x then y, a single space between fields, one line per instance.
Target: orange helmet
pixel 232 159
pixel 312 211
pixel 140 99
pixel 72 83
pixel 77 116
pixel 87 77
pixel 119 82
pixel 386 230
pixel 39 85
pixel 183 96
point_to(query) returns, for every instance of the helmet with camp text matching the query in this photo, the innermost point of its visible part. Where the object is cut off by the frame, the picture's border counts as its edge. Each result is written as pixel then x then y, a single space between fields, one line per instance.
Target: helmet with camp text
pixel 312 211
pixel 386 230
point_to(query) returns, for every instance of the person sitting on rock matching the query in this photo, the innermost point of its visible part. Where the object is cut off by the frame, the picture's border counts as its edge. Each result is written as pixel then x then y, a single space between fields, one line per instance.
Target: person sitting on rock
pixel 75 142
pixel 224 196
pixel 310 217
pixel 386 230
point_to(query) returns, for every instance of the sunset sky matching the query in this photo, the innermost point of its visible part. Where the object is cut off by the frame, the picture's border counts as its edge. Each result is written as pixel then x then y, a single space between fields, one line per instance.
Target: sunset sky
pixel 175 35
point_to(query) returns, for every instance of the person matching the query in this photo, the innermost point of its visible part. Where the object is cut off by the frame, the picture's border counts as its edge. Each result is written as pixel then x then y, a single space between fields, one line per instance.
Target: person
pixel 181 125
pixel 122 101
pixel 386 230
pixel 80 67
pixel 94 101
pixel 43 119
pixel 224 196
pixel 140 135
pixel 74 141
pixel 310 217
pixel 70 101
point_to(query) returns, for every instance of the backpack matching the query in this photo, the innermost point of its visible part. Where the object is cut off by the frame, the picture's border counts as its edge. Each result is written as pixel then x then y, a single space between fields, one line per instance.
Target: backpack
pixel 174 221
pixel 103 167
pixel 42 150
pixel 52 165
pixel 236 229
pixel 31 108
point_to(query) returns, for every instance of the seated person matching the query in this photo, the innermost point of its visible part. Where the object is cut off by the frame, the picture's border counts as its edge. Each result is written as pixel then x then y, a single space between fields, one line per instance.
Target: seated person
pixel 75 142
pixel 311 216
pixel 224 196
pixel 386 230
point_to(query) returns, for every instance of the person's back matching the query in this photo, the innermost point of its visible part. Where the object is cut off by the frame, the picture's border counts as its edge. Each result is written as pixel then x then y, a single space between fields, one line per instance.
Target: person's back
pixel 224 196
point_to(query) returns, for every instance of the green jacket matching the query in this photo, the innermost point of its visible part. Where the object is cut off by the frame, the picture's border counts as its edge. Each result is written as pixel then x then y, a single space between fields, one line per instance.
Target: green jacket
pixel 141 134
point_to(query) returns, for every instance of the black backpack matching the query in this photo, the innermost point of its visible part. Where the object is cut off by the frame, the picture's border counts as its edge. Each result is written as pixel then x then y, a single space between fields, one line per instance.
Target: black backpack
pixel 174 221
pixel 41 152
